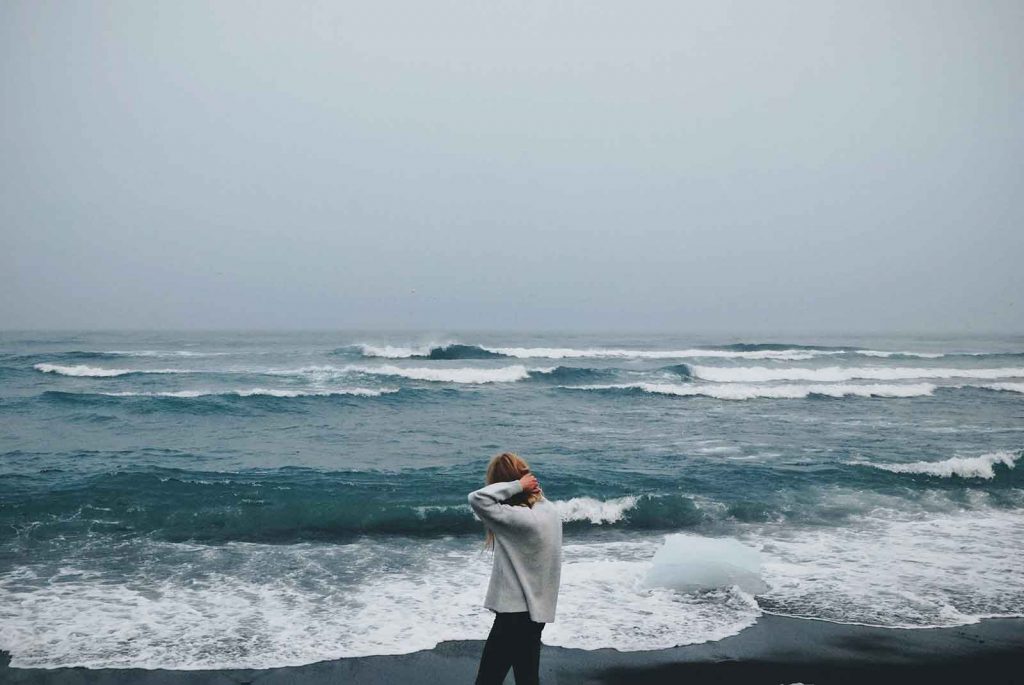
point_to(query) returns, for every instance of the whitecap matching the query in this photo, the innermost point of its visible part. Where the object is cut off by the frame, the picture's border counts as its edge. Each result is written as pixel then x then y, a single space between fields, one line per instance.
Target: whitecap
pixel 1006 387
pixel 94 371
pixel 738 391
pixel 834 374
pixel 982 466
pixel 473 375
pixel 269 392
pixel 397 351
pixel 620 353
pixel 594 510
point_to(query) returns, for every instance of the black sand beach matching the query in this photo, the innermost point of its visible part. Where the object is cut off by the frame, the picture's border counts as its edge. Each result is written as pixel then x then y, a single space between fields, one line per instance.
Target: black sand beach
pixel 776 650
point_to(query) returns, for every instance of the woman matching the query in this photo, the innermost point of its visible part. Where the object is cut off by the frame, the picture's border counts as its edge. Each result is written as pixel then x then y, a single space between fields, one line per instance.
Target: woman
pixel 525 532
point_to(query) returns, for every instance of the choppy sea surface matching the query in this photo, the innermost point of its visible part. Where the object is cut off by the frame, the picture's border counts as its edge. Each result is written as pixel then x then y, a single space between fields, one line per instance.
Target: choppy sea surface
pixel 255 500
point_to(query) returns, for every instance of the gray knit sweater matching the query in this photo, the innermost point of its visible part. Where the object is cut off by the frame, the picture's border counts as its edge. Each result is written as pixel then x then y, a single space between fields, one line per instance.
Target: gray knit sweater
pixel 527 551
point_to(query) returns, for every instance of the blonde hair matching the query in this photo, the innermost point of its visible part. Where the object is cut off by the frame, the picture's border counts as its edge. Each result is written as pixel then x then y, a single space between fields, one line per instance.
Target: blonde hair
pixel 501 469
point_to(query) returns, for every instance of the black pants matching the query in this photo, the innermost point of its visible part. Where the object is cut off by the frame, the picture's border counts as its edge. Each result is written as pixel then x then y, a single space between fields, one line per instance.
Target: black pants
pixel 514 641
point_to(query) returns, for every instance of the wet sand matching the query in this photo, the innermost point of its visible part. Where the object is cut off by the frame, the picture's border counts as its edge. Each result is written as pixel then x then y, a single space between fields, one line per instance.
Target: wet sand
pixel 775 651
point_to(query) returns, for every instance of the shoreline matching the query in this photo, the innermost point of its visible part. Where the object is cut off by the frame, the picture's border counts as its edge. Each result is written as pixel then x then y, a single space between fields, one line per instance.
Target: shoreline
pixel 775 650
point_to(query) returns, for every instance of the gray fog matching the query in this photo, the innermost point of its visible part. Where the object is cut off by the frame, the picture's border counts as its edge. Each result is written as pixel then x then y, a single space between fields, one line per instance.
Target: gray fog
pixel 674 166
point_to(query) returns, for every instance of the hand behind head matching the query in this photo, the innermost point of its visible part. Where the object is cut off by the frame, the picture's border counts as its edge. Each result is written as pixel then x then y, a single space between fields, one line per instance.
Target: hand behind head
pixel 530 484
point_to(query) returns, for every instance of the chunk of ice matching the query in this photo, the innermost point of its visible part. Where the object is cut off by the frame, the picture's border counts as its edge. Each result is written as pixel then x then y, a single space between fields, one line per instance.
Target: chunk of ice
pixel 688 563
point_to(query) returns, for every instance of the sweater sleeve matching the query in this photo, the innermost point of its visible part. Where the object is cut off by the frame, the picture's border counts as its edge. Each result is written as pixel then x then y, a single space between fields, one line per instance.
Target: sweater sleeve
pixel 487 503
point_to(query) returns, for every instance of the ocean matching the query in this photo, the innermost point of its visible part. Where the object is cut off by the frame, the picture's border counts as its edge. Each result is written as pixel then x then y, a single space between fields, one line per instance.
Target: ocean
pixel 253 500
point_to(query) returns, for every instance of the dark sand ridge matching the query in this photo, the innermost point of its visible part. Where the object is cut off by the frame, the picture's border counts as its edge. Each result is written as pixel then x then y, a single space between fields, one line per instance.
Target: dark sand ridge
pixel 775 650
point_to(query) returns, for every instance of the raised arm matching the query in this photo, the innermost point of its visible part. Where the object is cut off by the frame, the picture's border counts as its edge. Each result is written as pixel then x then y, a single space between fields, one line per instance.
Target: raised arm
pixel 487 502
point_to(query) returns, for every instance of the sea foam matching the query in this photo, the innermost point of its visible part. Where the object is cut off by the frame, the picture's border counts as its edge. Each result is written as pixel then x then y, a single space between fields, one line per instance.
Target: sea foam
pixel 162 353
pixel 834 374
pixel 397 351
pixel 740 391
pixel 594 510
pixel 505 374
pixel 95 372
pixel 1005 387
pixel 437 374
pixel 184 606
pixel 882 353
pixel 897 569
pixel 619 353
pixel 982 466
pixel 252 392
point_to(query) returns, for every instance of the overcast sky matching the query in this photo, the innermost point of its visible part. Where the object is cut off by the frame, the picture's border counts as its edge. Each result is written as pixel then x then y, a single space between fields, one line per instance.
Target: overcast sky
pixel 678 166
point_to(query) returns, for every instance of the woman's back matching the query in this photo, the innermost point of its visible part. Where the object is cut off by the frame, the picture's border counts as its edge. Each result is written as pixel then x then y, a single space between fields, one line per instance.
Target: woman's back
pixel 527 551
pixel 526 531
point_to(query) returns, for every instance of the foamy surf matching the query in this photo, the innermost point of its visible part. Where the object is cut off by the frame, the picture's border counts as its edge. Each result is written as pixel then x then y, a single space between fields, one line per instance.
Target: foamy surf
pixel 833 374
pixel 397 351
pixel 594 510
pixel 437 374
pixel 896 569
pixel 245 605
pixel 982 466
pixel 422 351
pixel 266 607
pixel 472 375
pixel 1005 387
pixel 255 392
pixel 163 353
pixel 882 353
pixel 737 391
pixel 81 370
pixel 755 352
pixel 620 353
pixel 314 537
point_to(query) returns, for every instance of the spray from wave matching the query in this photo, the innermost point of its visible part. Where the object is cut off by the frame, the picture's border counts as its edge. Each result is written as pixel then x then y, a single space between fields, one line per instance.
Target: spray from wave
pixel 594 510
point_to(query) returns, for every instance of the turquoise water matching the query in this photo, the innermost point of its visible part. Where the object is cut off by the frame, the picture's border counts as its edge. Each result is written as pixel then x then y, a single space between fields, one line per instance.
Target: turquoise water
pixel 255 499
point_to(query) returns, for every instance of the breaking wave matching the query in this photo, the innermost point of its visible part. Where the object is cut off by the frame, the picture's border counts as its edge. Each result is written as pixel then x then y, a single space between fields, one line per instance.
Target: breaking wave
pixel 620 353
pixel 836 374
pixel 982 466
pixel 446 351
pixel 566 374
pixel 1005 387
pixel 82 370
pixel 254 392
pixel 296 505
pixel 594 510
pixel 505 374
pixel 918 355
pixel 754 351
pixel 736 391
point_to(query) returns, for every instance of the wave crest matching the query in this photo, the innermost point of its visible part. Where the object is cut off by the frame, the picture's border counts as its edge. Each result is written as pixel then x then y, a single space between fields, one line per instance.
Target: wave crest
pixel 594 510
pixel 257 392
pixel 982 466
pixel 837 374
pixel 737 391
pixel 621 353
pixel 81 370
pixel 470 375
pixel 1005 387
